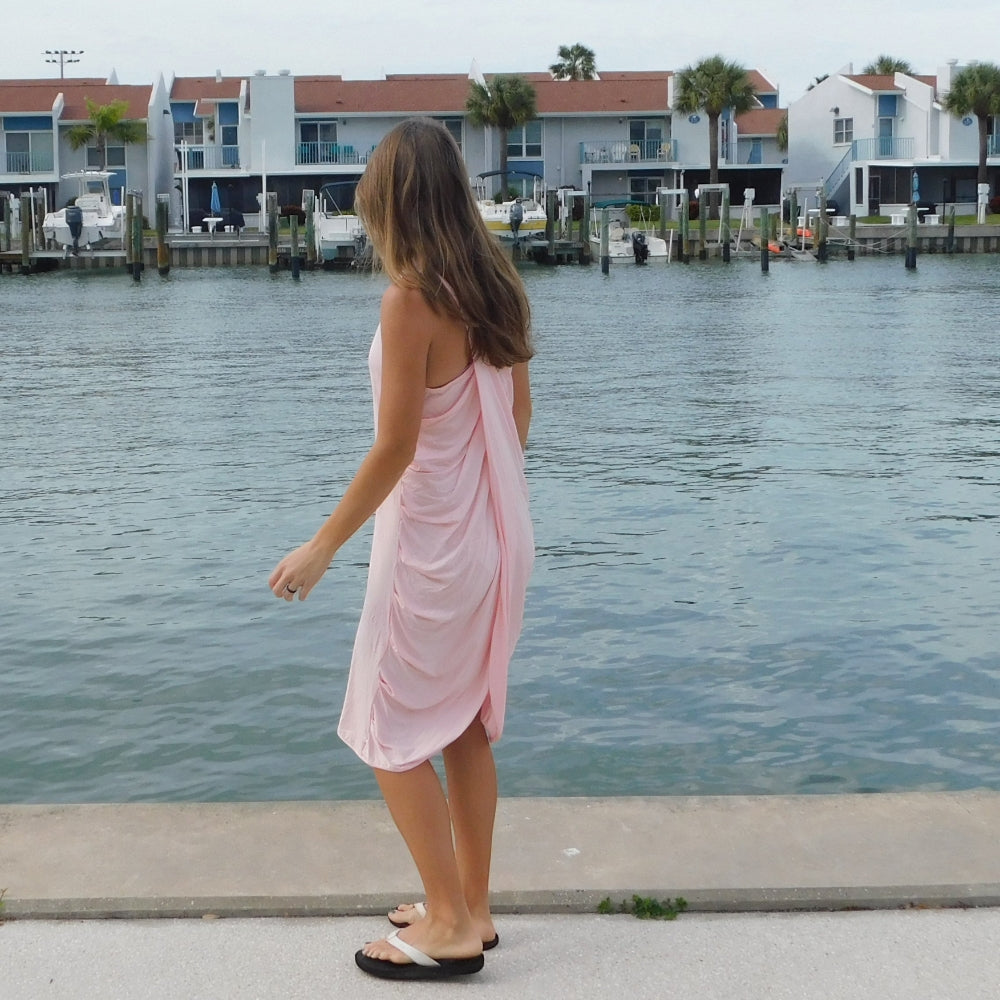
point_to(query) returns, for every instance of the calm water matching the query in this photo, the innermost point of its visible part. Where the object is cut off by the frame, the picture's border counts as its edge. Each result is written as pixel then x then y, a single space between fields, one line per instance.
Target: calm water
pixel 766 515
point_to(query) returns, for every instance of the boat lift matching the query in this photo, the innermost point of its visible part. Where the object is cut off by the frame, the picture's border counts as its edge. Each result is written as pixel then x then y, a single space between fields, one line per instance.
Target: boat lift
pixel 662 194
pixel 797 230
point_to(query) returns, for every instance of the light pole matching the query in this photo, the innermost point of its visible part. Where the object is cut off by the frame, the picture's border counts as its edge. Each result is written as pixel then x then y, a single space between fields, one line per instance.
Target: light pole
pixel 64 56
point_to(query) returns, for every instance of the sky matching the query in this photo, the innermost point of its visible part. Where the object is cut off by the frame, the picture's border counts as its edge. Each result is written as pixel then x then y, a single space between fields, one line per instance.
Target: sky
pixel 790 41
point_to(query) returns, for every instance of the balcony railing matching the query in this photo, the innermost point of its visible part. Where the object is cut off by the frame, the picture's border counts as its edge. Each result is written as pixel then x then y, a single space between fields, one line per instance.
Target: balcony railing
pixel 30 163
pixel 329 153
pixel 993 145
pixel 209 157
pixel 882 148
pixel 627 151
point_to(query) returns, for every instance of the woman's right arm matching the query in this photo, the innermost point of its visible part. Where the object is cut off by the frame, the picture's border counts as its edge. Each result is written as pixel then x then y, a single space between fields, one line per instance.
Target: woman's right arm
pixel 522 402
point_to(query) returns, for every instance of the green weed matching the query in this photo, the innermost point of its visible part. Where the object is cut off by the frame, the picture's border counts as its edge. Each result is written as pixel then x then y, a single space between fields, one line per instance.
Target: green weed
pixel 645 907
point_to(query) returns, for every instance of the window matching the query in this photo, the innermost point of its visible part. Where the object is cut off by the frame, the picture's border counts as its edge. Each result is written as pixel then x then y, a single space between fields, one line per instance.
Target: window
pixel 454 126
pixel 525 140
pixel 115 154
pixel 29 152
pixel 318 132
pixel 843 130
pixel 190 131
pixel 644 188
pixel 888 105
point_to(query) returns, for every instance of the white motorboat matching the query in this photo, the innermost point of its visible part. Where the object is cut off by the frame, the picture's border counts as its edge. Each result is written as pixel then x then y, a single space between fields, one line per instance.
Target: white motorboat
pixel 627 242
pixel 340 237
pixel 517 217
pixel 91 219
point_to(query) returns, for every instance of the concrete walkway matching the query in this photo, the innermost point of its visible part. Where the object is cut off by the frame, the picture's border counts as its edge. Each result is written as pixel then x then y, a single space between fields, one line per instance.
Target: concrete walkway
pixel 874 955
pixel 551 855
pixel 737 860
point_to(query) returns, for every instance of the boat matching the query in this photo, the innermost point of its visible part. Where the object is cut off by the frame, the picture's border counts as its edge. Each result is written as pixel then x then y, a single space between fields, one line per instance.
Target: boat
pixel 340 236
pixel 627 242
pixel 518 217
pixel 91 220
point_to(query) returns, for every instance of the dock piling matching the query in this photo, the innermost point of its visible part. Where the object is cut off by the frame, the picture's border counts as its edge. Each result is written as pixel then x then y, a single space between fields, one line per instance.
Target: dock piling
pixel 293 232
pixel 605 249
pixel 685 231
pixel 724 230
pixel 910 261
pixel 26 200
pixel 821 228
pixel 703 210
pixel 309 203
pixel 272 231
pixel 5 202
pixel 852 232
pixel 162 223
pixel 765 249
pixel 586 256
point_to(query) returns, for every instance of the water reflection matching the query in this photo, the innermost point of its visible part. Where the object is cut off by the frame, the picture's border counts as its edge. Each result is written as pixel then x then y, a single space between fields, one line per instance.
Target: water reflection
pixel 766 558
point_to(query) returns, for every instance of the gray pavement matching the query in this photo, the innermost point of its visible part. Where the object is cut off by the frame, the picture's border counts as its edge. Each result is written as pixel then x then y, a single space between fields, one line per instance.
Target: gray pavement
pixel 911 883
pixel 882 955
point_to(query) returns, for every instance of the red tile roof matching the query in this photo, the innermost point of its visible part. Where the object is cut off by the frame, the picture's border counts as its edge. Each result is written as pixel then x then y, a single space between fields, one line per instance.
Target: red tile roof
pixel 875 81
pixel 206 88
pixel 760 83
pixel 37 97
pixel 136 97
pixel 407 95
pixel 760 121
pixel 887 81
pixel 615 93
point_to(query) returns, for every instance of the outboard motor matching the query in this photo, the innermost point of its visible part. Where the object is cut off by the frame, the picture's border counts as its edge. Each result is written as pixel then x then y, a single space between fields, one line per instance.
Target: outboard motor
pixel 74 219
pixel 516 217
pixel 640 248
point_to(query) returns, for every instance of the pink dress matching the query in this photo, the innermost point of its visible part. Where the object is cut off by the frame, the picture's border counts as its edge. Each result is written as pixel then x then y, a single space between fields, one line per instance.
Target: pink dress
pixel 452 551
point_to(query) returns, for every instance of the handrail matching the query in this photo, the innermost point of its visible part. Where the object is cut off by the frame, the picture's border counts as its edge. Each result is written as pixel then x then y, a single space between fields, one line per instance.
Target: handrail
pixel 882 148
pixel 628 151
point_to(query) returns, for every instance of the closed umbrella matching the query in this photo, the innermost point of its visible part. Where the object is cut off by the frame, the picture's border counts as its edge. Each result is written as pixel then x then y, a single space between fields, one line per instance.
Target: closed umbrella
pixel 215 204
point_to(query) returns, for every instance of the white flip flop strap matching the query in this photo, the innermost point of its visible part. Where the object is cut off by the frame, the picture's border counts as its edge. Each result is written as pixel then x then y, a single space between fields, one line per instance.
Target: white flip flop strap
pixel 421 909
pixel 415 955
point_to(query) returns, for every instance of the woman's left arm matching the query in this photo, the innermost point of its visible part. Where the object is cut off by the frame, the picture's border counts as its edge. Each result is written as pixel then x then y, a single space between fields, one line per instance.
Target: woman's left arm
pixel 406 337
pixel 522 402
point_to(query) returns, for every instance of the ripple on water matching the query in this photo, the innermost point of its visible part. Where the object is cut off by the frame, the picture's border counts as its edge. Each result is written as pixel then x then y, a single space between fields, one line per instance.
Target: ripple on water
pixel 768 547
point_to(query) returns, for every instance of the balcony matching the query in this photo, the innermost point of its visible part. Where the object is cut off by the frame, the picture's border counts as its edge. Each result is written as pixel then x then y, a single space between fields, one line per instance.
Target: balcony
pixel 209 157
pixel 627 151
pixel 30 163
pixel 332 153
pixel 882 148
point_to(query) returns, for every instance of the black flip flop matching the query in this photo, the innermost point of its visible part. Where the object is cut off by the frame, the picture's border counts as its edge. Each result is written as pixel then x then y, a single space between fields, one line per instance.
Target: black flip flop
pixel 420 966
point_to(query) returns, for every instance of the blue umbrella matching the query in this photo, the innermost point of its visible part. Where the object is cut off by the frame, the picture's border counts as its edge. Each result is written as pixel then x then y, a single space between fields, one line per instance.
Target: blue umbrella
pixel 215 204
pixel 916 188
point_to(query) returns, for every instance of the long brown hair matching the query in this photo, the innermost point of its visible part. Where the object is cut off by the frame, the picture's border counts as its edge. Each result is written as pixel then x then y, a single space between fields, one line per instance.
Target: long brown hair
pixel 416 203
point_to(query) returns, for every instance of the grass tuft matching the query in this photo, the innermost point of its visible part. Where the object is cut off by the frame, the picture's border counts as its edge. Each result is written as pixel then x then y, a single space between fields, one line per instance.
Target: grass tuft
pixel 645 907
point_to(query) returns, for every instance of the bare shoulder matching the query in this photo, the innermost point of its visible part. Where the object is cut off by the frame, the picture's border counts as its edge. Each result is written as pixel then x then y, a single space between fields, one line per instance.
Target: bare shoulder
pixel 406 308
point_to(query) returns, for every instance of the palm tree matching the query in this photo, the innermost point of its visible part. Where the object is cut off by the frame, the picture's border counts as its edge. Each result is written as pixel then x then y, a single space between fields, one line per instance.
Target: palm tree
pixel 505 102
pixel 887 66
pixel 781 135
pixel 107 121
pixel 576 62
pixel 712 86
pixel 975 90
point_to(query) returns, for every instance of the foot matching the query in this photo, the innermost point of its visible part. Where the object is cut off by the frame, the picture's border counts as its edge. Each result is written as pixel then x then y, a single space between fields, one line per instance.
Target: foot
pixel 407 914
pixel 428 937
pixel 418 964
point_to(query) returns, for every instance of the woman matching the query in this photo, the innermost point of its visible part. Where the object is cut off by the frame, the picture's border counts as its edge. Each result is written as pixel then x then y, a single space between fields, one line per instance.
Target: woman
pixel 452 547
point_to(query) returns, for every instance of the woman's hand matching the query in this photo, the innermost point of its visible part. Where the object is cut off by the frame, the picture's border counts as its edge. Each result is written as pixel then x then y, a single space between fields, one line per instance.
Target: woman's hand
pixel 299 571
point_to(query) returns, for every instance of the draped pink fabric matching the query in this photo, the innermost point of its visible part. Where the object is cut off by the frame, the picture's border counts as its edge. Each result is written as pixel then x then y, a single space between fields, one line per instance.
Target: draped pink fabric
pixel 452 551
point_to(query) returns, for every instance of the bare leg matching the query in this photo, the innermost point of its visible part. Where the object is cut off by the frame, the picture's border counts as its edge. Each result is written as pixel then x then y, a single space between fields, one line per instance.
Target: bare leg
pixel 418 807
pixel 472 800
